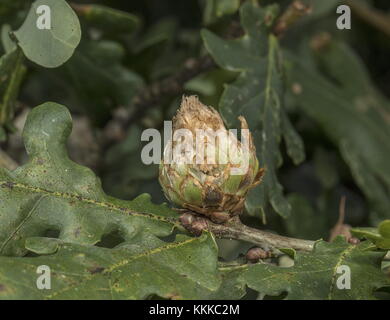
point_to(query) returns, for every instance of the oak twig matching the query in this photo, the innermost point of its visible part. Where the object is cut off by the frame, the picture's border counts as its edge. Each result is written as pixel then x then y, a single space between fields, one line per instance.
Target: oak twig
pixel 235 229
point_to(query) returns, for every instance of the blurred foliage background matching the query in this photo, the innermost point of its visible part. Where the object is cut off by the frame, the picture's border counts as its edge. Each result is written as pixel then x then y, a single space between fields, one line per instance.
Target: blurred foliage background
pixel 137 58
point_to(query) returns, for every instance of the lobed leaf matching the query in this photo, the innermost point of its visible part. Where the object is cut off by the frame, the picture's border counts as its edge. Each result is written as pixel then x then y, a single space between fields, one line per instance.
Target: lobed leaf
pixel 257 94
pixel 316 275
pixel 51 193
pixel 12 71
pixel 353 115
pixel 141 267
pixel 379 236
pixel 106 248
pixel 52 47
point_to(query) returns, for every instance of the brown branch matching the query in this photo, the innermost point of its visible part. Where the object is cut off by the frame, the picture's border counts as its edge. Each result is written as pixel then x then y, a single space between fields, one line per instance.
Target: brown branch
pixel 296 10
pixel 235 229
pixel 374 17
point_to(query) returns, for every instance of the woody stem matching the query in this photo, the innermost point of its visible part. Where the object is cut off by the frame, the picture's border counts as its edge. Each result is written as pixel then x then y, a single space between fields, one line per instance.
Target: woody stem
pixel 235 229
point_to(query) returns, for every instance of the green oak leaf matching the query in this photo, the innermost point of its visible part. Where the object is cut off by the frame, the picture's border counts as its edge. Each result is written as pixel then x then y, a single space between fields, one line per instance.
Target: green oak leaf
pixel 352 113
pixel 12 71
pixel 379 236
pixel 6 40
pixel 52 47
pixel 315 274
pixel 139 268
pixel 257 94
pixel 216 9
pixel 107 18
pixel 52 194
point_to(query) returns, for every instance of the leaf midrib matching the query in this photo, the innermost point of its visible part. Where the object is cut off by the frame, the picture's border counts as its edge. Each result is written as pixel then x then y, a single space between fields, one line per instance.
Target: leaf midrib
pixel 76 197
pixel 124 263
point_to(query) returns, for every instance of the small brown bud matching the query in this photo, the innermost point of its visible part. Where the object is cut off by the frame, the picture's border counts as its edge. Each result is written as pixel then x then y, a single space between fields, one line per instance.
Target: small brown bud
pixel 186 219
pixel 296 88
pixel 195 225
pixel 321 41
pixel 199 225
pixel 353 240
pixel 255 254
pixel 219 217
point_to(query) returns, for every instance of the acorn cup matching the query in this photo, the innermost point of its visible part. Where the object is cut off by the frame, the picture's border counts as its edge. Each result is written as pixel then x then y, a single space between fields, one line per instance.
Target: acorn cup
pixel 205 168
